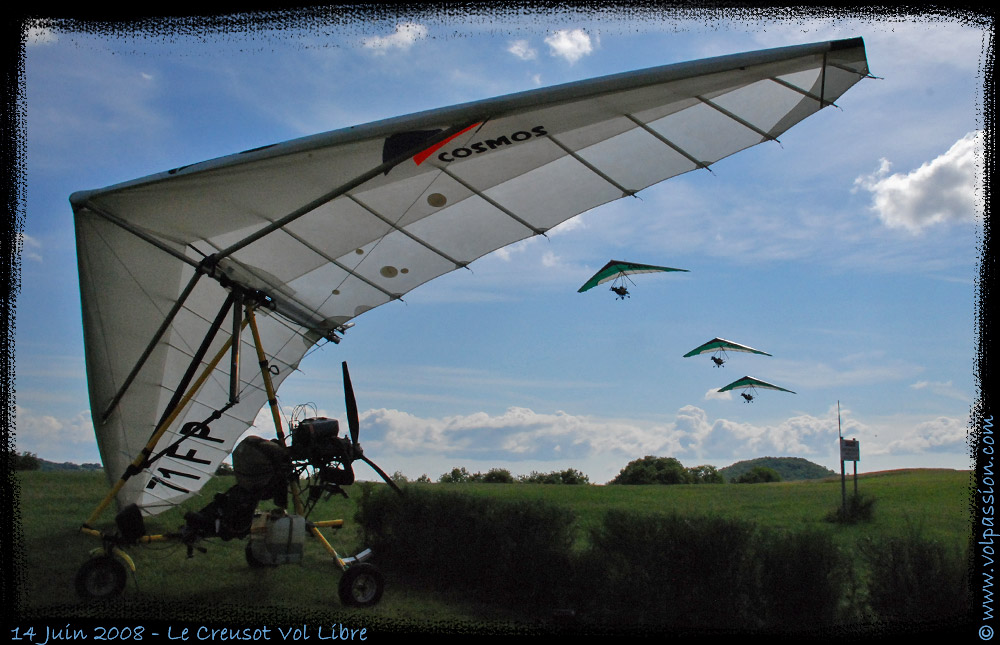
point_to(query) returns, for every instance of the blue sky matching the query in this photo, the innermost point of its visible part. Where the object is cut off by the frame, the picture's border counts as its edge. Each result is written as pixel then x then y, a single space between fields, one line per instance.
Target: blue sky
pixel 848 252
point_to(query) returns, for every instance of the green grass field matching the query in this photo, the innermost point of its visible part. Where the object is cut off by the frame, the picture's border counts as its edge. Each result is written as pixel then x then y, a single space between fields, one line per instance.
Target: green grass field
pixel 169 586
pixel 934 501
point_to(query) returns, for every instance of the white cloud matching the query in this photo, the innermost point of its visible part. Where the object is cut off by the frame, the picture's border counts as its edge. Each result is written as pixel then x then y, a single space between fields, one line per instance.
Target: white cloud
pixel 30 247
pixel 40 35
pixel 516 434
pixel 725 441
pixel 522 440
pixel 937 435
pixel 523 50
pixel 850 371
pixel 715 394
pixel 918 41
pixel 567 226
pixel 945 190
pixel 569 44
pixel 508 252
pixel 521 434
pixel 53 438
pixel 939 388
pixel 403 38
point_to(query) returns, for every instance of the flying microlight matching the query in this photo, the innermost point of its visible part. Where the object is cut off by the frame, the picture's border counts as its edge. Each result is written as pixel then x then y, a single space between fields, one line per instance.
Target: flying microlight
pixel 749 386
pixel 617 272
pixel 719 347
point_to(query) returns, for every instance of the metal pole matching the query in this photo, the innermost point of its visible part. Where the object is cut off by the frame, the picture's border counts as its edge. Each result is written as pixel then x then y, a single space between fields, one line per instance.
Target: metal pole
pixel 231 301
pixel 152 344
pixel 272 401
pixel 843 475
pixel 234 358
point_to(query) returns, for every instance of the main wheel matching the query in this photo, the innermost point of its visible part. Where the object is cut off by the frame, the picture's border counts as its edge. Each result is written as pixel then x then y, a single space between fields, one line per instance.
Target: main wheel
pixel 361 585
pixel 100 578
pixel 252 559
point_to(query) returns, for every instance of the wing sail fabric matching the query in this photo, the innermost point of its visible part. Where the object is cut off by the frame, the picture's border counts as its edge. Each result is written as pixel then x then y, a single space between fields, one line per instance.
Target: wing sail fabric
pixel 328 227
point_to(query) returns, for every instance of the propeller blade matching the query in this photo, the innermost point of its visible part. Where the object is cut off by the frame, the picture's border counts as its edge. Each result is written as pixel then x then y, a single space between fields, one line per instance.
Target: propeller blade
pixel 381 473
pixel 352 405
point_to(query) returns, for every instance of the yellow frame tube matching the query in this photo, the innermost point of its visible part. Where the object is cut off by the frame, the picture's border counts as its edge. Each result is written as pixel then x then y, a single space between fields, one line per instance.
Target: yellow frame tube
pixel 118 553
pixel 272 401
pixel 272 398
pixel 326 544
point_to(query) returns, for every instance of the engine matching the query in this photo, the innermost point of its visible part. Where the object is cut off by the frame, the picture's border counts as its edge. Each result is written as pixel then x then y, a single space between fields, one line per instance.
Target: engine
pixel 264 468
pixel 316 442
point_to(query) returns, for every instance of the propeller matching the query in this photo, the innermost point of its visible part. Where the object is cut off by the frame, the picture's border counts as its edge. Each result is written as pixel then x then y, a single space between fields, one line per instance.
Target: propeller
pixel 381 473
pixel 352 406
pixel 354 424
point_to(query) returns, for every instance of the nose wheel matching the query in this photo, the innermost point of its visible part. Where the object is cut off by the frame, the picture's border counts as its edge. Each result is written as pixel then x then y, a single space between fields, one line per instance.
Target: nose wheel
pixel 361 585
pixel 100 578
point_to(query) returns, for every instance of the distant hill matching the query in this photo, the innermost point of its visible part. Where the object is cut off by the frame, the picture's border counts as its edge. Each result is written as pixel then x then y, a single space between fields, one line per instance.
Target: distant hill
pixel 51 465
pixel 790 468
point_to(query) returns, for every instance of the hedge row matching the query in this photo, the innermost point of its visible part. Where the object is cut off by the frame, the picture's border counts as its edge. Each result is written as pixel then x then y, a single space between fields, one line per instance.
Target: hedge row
pixel 514 552
pixel 660 571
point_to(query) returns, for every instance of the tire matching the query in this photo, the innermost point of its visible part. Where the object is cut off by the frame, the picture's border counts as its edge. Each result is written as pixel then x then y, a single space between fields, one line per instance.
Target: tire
pixel 361 586
pixel 100 578
pixel 253 561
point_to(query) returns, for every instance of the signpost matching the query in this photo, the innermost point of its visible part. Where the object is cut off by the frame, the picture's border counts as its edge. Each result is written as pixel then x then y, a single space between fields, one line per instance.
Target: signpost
pixel 850 450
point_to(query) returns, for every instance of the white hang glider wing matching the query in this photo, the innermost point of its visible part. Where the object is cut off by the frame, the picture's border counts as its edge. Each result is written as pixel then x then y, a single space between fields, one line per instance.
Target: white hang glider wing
pixel 321 229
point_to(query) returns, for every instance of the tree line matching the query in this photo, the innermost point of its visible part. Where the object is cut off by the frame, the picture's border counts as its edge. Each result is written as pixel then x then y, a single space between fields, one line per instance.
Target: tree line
pixel 668 470
pixel 460 475
pixel 648 470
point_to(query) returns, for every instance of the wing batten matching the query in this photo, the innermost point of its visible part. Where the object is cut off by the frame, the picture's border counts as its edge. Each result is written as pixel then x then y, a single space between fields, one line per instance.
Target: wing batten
pixel 495 204
pixel 594 169
pixel 339 265
pixel 407 233
pixel 676 148
pixel 743 122
pixel 816 97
